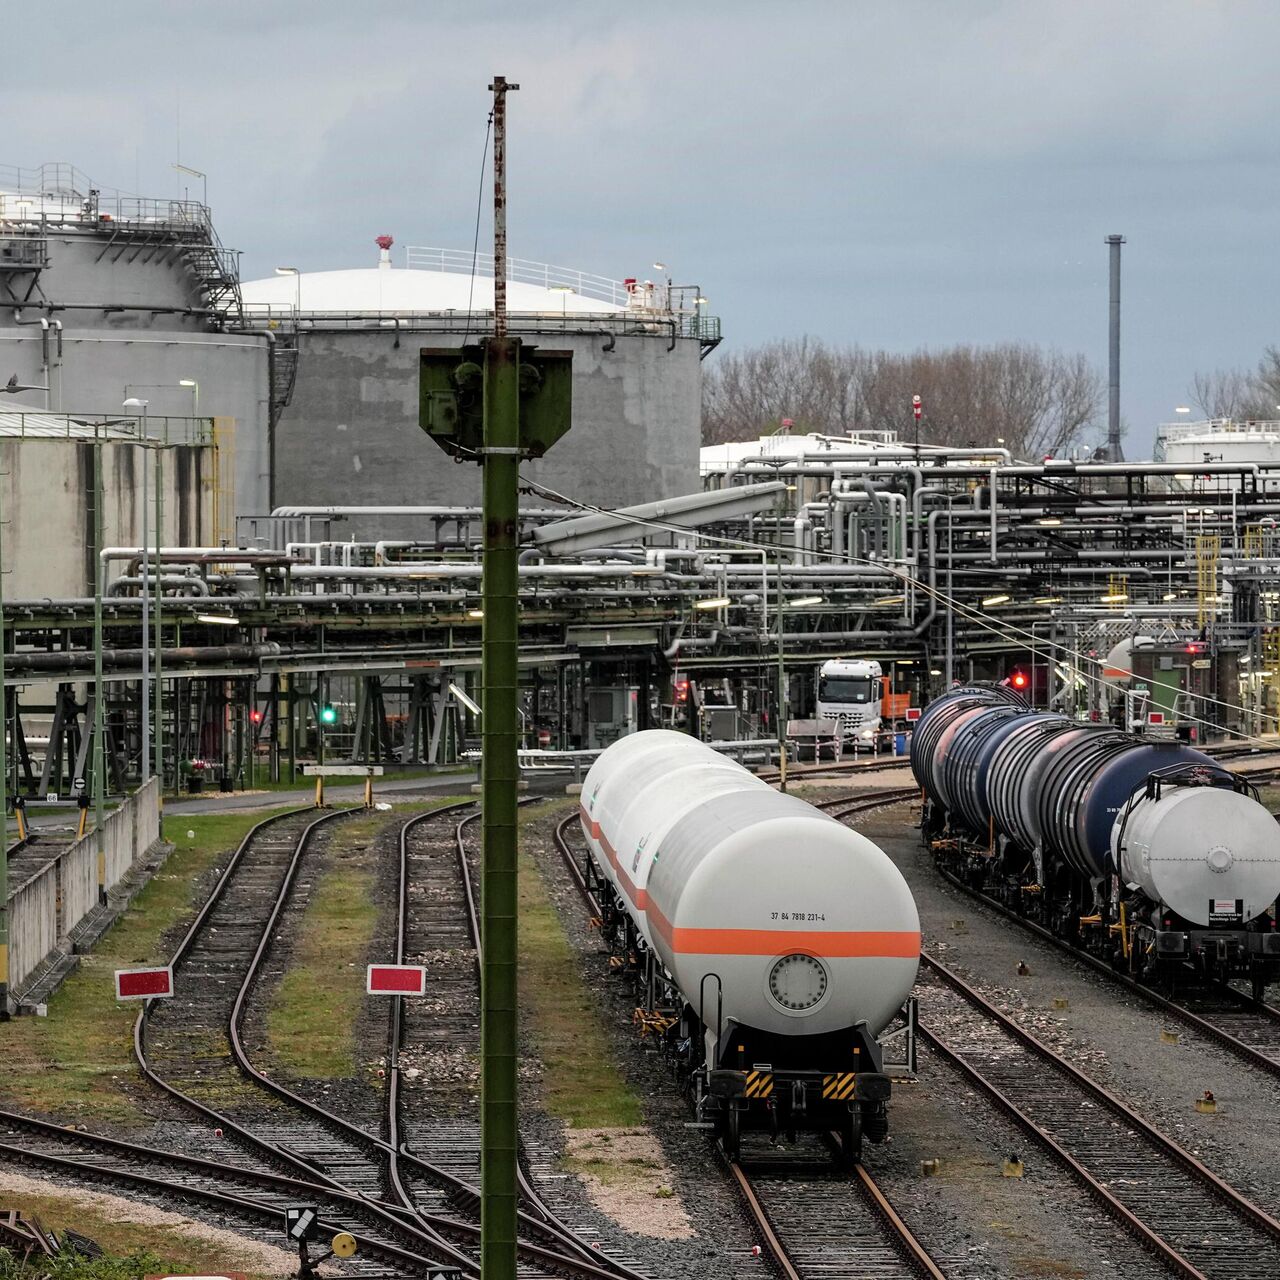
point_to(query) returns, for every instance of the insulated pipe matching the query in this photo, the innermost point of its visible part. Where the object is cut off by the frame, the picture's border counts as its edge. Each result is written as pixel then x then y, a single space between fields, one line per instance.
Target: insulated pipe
pixel 1014 470
pixel 64 660
pixel 197 586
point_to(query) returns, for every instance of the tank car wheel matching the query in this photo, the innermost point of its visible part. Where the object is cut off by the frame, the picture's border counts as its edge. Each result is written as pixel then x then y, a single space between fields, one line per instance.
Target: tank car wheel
pixel 851 1138
pixel 732 1136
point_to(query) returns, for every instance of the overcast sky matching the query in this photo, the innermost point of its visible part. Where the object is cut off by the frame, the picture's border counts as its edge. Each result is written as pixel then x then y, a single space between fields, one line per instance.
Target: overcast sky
pixel 892 174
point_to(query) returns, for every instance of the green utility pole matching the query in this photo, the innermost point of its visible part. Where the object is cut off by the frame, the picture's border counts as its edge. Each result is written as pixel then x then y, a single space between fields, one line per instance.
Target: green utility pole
pixel 500 727
pixel 496 403
pixel 4 808
pixel 99 755
pixel 158 736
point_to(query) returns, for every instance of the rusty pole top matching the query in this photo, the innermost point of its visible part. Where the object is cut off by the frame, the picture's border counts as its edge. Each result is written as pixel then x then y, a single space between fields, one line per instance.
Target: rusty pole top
pixel 500 88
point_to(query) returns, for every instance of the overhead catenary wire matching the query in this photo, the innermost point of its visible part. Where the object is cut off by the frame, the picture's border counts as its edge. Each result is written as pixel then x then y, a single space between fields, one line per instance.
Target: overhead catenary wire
pixel 1006 628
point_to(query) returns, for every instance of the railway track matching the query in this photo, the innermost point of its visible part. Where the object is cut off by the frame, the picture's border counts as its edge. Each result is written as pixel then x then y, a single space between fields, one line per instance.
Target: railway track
pixel 237 919
pixel 1178 1208
pixel 1249 1029
pixel 842 1224
pixel 184 1046
pixel 437 911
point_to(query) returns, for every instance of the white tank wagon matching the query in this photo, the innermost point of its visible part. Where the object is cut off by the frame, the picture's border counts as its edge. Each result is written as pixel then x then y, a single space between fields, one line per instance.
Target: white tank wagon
pixel 780 941
pixel 1146 852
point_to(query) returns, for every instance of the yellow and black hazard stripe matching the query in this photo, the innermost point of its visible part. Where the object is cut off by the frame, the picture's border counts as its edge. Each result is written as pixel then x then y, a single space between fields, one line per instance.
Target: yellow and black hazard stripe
pixel 839 1088
pixel 759 1084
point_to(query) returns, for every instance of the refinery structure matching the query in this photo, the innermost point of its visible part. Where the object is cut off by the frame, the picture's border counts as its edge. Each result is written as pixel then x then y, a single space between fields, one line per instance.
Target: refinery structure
pixel 441 529
pixel 317 551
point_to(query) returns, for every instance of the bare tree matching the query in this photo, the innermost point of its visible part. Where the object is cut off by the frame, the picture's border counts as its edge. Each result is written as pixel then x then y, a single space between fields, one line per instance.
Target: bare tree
pixel 1037 401
pixel 1224 393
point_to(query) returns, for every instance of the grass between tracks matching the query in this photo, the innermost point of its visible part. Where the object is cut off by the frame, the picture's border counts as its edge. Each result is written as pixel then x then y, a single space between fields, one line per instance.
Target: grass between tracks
pixel 581 1082
pixel 313 1015
pixel 77 1064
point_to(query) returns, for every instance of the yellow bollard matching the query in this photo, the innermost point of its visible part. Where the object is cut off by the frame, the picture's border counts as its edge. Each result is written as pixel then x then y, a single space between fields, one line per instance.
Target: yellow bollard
pixel 368 792
pixel 319 791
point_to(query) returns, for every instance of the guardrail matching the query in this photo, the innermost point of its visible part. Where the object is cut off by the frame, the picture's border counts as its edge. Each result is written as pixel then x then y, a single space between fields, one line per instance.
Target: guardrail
pixel 48 906
pixel 548 760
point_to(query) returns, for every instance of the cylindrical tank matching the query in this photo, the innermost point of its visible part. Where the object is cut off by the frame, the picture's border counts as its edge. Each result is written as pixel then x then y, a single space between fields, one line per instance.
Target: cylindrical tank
pixel 764 910
pixel 1208 853
pixel 1088 781
pixel 939 713
pixel 659 787
pixel 971 762
pixel 1012 775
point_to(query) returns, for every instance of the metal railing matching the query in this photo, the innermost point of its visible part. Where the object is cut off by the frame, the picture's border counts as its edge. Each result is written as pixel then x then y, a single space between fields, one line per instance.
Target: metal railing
pixel 161 430
pixel 24 253
pixel 1168 432
pixel 521 270
pixel 703 328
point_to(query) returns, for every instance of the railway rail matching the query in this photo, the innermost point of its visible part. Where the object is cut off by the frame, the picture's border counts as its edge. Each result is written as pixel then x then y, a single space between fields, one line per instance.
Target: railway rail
pixel 1249 1029
pixel 329 1161
pixel 827 1230
pixel 445 887
pixel 1186 1215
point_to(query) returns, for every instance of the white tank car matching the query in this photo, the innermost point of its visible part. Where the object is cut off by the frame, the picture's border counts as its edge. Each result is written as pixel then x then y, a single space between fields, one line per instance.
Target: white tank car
pixel 1208 853
pixel 792 939
pixel 638 802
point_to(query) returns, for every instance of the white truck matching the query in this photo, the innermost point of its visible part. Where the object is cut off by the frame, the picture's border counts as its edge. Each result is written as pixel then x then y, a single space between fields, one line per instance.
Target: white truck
pixel 850 692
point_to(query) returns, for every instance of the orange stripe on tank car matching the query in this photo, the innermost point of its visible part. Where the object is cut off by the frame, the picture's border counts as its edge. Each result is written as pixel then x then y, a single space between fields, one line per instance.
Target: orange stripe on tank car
pixel 831 944
pixel 638 896
pixel 591 824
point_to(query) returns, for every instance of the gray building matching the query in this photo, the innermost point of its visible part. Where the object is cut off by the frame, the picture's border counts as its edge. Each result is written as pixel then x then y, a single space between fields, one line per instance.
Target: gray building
pixel 313 376
pixel 349 435
pixel 105 296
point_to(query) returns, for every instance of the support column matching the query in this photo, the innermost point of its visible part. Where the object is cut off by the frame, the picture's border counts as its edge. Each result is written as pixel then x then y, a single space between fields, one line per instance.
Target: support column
pixel 500 728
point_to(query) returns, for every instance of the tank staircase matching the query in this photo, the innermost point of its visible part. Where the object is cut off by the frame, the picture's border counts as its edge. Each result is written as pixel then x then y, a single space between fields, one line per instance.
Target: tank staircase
pixel 284 370
pixel 181 229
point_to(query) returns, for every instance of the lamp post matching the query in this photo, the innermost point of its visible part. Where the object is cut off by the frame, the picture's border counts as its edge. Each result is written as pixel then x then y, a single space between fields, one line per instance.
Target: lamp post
pixel 99 754
pixel 144 767
pixel 297 286
pixel 196 173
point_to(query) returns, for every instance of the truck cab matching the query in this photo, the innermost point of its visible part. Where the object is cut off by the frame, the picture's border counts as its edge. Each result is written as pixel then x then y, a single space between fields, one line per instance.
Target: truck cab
pixel 850 692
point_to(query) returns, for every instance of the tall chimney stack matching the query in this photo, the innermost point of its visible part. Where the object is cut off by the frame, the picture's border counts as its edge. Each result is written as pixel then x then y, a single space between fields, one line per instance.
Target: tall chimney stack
pixel 1114 452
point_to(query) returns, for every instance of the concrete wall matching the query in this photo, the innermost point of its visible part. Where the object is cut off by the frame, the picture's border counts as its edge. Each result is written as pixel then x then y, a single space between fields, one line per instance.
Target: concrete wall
pixel 46 502
pixel 351 435
pixel 45 908
pixel 153 341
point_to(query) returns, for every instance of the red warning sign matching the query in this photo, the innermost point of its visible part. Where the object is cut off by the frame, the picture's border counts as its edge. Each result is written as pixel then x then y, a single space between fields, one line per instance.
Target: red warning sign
pixel 396 980
pixel 143 984
pixel 913 714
